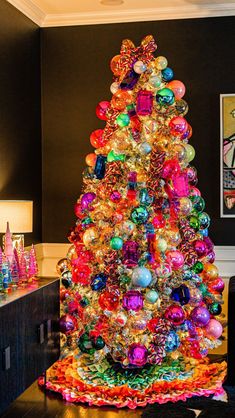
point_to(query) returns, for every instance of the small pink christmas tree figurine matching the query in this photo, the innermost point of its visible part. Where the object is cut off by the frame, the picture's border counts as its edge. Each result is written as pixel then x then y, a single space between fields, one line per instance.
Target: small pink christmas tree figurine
pixel 33 267
pixel 8 250
pixel 0 258
pixel 22 264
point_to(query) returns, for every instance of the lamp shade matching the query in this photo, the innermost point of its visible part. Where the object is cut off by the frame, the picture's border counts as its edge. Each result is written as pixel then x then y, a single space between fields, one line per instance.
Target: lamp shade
pixel 19 214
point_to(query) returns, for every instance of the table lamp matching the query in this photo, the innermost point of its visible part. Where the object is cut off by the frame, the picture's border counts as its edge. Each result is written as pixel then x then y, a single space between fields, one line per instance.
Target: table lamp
pixel 19 215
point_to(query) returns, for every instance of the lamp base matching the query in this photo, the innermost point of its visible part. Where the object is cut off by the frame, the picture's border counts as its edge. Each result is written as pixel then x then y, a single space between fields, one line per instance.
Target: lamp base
pixel 17 241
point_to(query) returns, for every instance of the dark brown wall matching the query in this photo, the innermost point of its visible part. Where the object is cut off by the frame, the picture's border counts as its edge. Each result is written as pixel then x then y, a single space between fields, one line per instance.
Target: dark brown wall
pixel 20 126
pixel 76 76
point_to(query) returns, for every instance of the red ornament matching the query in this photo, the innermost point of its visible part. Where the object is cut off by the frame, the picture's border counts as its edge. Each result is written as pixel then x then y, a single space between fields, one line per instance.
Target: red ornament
pixel 152 324
pixel 159 221
pixel 101 110
pixel 97 138
pixel 109 300
pixel 81 274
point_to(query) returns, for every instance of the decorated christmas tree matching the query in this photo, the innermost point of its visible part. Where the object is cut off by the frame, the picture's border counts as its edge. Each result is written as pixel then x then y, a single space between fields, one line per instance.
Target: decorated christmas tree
pixel 140 294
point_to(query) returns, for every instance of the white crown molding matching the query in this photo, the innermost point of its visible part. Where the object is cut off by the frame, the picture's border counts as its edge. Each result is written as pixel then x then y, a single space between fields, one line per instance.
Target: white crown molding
pixel 29 9
pixel 181 11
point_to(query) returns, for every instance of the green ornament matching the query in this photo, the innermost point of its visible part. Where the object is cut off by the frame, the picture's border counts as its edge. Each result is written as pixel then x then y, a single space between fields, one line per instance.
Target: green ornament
pixel 204 220
pixel 84 302
pixel 98 343
pixel 194 222
pixel 86 221
pixel 125 280
pixel 215 308
pixel 151 296
pixel 85 344
pixel 165 97
pixel 198 203
pixel 116 243
pixel 115 157
pixel 139 215
pixel 123 120
pixel 190 152
pixel 198 267
pixel 203 288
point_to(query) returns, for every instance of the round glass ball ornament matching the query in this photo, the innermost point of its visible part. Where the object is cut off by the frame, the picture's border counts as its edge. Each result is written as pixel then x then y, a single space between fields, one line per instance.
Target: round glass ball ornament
pixel 141 277
pixel 123 120
pixel 160 63
pixel 200 316
pixel 67 324
pixel 165 97
pixel 101 110
pixel 172 342
pixel 190 152
pixel 98 282
pixel 155 81
pixel 167 74
pixel 116 243
pixel 62 265
pixel 178 125
pixel 175 314
pixel 139 67
pixel 139 215
pixel 214 329
pixel 137 355
pixel 178 88
pixel 215 308
pixel 151 296
pixel 204 220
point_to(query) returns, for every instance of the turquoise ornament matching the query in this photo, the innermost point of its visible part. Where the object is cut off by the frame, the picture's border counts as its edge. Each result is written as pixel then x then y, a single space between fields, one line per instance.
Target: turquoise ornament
pixel 167 74
pixel 165 97
pixel 144 197
pixel 139 215
pixel 204 220
pixel 172 342
pixel 151 296
pixel 145 148
pixel 116 243
pixel 123 120
pixel 141 277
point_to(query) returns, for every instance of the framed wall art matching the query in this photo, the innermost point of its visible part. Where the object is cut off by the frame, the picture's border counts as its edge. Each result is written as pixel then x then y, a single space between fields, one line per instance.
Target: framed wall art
pixel 227 155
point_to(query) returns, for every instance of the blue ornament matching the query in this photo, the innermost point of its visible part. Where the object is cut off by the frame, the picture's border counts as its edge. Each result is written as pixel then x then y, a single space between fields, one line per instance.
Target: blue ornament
pixel 204 220
pixel 172 342
pixel 99 170
pixel 139 215
pixel 187 275
pixel 204 232
pixel 165 96
pixel 181 294
pixel 145 148
pixel 151 296
pixel 98 282
pixel 144 197
pixel 167 74
pixel 141 277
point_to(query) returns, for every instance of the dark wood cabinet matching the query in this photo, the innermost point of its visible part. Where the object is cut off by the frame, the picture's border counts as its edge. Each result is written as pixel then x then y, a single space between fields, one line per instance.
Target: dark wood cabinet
pixel 29 337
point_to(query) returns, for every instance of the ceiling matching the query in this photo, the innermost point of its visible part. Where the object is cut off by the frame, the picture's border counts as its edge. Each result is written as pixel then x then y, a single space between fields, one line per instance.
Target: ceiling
pixel 85 12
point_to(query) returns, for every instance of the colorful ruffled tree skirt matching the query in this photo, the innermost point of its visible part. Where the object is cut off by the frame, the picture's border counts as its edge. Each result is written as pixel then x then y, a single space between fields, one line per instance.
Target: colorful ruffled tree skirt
pixel 80 379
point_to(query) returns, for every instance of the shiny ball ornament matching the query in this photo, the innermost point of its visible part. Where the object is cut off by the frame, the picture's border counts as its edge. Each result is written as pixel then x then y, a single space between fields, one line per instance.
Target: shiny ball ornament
pixel 185 206
pixel 211 271
pixel 66 279
pixel 165 97
pixel 178 125
pixel 214 329
pixel 86 200
pixel 85 344
pixel 137 355
pixel 215 308
pixel 115 196
pixel 145 148
pixel 121 99
pixel 91 159
pixel 120 319
pixel 67 324
pixel 98 343
pixel 159 221
pixel 200 316
pixel 98 282
pixel 96 138
pixel 167 74
pixel 178 88
pixel 191 174
pixel 139 215
pixel 114 87
pixel 181 107
pixel 62 265
pixel 198 267
pixel 133 300
pixel 204 220
pixel 115 65
pixel 187 275
pixel 138 323
pixel 198 203
pixel 141 277
pixel 139 67
pixel 116 243
pixel 175 314
pixel 109 300
pixel 175 259
pixel 101 110
pixel 160 63
pixel 194 222
pixel 194 191
pixel 195 296
pixel 172 342
pixel 177 151
pixel 190 152
pixel 90 237
pixel 123 120
pixel 216 285
pixel 155 81
pixel 151 296
pixel 163 270
pixel 200 248
pixel 181 294
pixel 161 245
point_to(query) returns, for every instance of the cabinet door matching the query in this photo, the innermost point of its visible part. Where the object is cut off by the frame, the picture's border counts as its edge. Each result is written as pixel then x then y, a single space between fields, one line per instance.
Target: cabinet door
pixel 11 358
pixel 32 332
pixel 51 312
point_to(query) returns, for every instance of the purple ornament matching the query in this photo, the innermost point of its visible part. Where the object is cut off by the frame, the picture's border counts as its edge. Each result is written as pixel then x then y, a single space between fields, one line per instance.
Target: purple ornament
pixel 191 328
pixel 200 316
pixel 200 248
pixel 67 324
pixel 133 300
pixel 115 196
pixel 130 254
pixel 137 355
pixel 144 104
pixel 209 244
pixel 86 200
pixel 210 258
pixel 130 80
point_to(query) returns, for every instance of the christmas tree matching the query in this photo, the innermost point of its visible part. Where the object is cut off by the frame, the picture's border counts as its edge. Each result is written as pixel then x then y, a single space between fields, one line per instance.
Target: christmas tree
pixel 140 293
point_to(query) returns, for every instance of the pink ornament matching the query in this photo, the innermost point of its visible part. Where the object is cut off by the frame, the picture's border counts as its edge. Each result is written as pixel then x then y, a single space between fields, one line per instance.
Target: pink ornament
pixel 137 355
pixel 178 88
pixel 86 201
pixel 178 125
pixel 175 259
pixel 191 174
pixel 193 191
pixel 217 285
pixel 8 247
pixel 144 103
pixel 180 185
pixel 101 110
pixel 214 329
pixel 175 314
pixel 200 248
pixel 170 169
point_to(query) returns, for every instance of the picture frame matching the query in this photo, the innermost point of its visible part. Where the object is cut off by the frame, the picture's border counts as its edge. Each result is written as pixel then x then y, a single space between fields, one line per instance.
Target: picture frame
pixel 227 155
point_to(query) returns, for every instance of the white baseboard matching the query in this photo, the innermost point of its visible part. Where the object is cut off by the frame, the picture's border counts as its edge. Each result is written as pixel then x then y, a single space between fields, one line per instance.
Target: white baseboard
pixel 48 254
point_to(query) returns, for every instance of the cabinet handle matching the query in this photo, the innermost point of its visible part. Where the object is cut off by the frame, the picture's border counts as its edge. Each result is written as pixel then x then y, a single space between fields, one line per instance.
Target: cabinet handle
pixel 6 358
pixel 49 328
pixel 41 334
